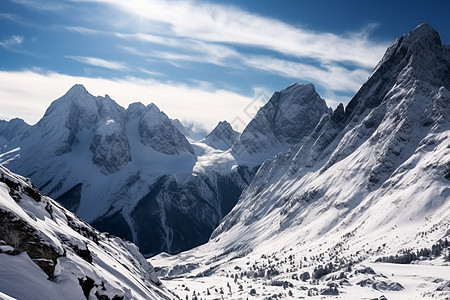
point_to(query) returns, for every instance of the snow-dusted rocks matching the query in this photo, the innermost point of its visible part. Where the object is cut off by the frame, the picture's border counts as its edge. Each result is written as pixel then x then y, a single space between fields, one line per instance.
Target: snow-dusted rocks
pixel 157 131
pixel 290 115
pixel 222 137
pixel 110 148
pixel 370 181
pixel 48 253
pixel 10 130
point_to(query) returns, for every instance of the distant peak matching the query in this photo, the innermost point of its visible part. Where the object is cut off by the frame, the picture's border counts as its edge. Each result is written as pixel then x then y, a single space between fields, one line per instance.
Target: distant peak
pixel 424 29
pixel 423 35
pixel 153 107
pixel 224 124
pixel 136 106
pixel 301 85
pixel 77 88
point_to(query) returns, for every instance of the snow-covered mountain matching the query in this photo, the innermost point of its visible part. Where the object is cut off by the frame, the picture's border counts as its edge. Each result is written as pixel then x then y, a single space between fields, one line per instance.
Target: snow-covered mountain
pixel 10 130
pixel 370 182
pixel 46 252
pixel 283 121
pixel 129 171
pixel 222 137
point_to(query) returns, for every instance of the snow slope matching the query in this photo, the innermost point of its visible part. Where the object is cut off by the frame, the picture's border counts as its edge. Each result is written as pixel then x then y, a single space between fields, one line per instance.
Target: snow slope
pixel 370 181
pixel 46 252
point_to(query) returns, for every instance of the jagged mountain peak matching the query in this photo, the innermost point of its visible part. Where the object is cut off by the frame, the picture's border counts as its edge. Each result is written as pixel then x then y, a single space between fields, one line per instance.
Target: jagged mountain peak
pixel 418 56
pixel 157 131
pixel 370 180
pixel 221 127
pixel 135 110
pixel 12 129
pixel 420 34
pixel 284 120
pixel 77 89
pixel 222 136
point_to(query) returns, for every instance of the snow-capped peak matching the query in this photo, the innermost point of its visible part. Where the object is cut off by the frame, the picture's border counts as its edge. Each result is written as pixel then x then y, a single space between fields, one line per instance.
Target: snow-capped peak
pixel 289 115
pixel 157 131
pixel 77 89
pixel 9 130
pixel 222 136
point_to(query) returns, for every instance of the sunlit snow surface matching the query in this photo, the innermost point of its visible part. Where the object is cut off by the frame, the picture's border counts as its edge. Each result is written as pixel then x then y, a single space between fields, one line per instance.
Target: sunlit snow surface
pixel 371 181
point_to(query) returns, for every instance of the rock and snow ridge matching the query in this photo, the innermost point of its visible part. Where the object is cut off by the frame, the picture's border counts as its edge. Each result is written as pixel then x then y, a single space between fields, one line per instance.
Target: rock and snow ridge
pixel 371 181
pixel 12 129
pixel 46 252
pixel 222 137
pixel 283 121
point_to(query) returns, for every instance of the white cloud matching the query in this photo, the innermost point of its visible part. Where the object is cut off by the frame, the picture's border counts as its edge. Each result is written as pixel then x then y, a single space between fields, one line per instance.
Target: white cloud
pixel 329 76
pixel 43 4
pixel 99 62
pixel 226 24
pixel 27 94
pixel 12 42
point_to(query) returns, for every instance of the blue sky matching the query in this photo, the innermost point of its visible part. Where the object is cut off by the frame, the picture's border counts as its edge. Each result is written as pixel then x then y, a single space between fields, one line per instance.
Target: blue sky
pixel 199 61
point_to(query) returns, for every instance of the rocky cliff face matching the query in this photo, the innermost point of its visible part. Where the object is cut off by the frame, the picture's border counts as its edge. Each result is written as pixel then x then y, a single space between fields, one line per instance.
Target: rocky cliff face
pixel 290 115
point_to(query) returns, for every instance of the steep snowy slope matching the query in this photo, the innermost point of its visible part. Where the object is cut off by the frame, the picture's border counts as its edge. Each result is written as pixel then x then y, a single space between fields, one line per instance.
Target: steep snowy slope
pixel 48 253
pixel 288 116
pixel 130 171
pixel 371 181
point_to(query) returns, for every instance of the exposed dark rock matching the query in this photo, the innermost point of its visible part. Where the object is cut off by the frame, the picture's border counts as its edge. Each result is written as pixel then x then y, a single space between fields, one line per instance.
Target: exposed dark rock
pixel 313 292
pixel 366 270
pixel 387 286
pixel 18 234
pixel 87 284
pixel 71 199
pixel 305 276
pixel 365 282
pixel 330 291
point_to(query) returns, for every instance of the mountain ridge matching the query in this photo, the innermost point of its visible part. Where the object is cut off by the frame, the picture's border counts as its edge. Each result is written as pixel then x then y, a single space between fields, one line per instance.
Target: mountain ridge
pixel 370 182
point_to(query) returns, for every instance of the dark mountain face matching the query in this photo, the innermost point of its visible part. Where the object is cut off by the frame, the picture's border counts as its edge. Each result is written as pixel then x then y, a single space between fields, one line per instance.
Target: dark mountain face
pixel 289 116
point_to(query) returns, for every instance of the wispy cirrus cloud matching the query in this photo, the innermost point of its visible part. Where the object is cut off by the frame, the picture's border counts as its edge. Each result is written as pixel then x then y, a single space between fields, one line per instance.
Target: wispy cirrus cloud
pixel 226 24
pixel 99 62
pixel 198 32
pixel 12 42
pixel 48 5
pixel 329 75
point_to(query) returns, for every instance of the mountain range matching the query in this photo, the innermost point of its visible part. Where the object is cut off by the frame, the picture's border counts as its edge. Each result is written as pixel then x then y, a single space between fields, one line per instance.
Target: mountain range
pixel 366 190
pixel 306 201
